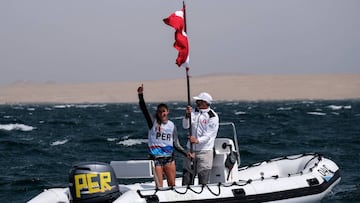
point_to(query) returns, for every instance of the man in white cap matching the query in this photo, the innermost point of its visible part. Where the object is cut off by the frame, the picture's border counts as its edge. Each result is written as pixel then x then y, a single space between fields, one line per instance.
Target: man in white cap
pixel 204 128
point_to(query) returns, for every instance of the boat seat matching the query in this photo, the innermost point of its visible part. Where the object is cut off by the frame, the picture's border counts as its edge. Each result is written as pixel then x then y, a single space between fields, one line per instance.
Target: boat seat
pixel 219 173
pixel 133 169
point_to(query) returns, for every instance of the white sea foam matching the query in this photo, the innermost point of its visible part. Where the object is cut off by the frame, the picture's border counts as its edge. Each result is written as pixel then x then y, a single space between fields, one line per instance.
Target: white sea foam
pixel 59 142
pixel 63 106
pixel 111 139
pixel 307 102
pixel 16 126
pixel 317 113
pixel 18 107
pixel 284 108
pixel 232 104
pixel 240 113
pixel 337 107
pixel 89 105
pixel 131 142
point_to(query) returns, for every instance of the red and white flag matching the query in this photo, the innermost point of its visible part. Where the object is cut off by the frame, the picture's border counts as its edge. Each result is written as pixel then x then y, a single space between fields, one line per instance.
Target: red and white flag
pixel 177 21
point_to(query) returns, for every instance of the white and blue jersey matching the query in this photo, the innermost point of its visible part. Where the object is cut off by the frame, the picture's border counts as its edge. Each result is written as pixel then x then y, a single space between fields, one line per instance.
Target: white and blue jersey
pixel 161 139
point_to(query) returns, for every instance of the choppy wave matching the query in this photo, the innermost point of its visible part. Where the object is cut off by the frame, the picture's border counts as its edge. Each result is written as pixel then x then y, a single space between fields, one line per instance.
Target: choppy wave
pixel 131 142
pixel 111 139
pixel 16 126
pixel 79 106
pixel 59 142
pixel 317 113
pixel 338 107
pixel 284 108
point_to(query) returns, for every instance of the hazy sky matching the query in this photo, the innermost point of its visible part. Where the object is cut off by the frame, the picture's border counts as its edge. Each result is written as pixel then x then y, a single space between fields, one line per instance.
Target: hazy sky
pixel 125 40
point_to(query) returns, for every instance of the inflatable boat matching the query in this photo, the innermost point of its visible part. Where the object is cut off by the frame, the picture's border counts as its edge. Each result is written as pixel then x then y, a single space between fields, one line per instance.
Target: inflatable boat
pixel 295 178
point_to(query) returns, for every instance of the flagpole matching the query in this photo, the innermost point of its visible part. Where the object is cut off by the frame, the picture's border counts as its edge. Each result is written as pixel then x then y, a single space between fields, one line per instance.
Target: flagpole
pixel 189 104
pixel 188 96
pixel 184 10
pixel 188 81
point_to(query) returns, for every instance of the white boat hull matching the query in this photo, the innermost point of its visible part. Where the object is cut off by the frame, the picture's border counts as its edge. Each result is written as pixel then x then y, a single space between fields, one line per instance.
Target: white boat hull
pixel 262 182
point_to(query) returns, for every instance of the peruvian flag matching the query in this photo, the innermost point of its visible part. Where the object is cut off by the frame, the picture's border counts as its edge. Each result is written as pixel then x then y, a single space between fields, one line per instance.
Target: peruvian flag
pixel 177 21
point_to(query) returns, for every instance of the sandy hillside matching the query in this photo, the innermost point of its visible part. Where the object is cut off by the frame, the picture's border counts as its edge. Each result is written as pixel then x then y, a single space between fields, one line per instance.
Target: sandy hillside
pixel 221 87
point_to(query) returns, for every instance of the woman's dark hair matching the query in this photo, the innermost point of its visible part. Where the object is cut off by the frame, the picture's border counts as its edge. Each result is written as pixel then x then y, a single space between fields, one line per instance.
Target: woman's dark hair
pixel 162 105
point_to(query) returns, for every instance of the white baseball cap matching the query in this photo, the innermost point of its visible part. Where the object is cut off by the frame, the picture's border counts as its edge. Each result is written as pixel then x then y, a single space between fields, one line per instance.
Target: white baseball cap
pixel 205 97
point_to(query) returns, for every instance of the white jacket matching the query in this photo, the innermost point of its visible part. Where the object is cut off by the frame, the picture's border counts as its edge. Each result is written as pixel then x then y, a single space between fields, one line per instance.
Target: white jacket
pixel 205 126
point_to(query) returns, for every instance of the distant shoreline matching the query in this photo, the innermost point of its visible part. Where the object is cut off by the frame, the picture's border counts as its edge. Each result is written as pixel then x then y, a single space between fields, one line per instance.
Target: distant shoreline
pixel 221 87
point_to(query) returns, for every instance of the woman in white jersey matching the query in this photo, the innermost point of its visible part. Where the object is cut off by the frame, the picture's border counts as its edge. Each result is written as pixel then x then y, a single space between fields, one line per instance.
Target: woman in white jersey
pixel 162 139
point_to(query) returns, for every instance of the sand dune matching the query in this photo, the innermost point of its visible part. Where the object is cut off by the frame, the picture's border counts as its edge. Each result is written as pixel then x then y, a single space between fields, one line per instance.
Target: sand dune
pixel 221 87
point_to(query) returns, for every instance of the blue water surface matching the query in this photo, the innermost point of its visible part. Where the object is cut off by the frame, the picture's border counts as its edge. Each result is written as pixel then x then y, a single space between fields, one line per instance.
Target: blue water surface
pixel 40 142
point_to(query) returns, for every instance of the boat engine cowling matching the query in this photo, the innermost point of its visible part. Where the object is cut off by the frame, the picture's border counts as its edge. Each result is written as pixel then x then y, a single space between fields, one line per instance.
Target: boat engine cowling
pixel 91 182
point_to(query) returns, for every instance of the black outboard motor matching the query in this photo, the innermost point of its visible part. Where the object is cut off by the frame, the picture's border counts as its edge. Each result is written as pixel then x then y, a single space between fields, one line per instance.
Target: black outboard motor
pixel 91 182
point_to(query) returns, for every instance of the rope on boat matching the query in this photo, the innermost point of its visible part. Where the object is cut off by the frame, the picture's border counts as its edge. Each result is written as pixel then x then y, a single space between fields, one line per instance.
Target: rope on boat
pixel 202 189
pixel 316 155
pixel 215 194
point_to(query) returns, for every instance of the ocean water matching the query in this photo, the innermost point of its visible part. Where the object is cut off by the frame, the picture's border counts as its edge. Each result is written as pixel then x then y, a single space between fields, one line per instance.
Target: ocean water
pixel 39 143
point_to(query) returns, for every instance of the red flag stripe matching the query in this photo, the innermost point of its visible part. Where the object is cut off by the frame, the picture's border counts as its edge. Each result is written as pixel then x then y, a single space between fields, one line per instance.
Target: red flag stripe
pixel 176 20
pixel 182 45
